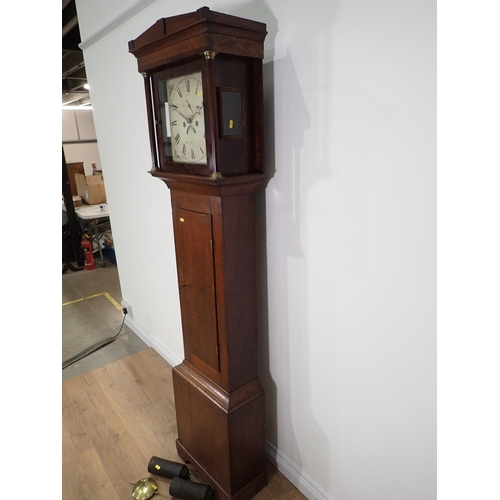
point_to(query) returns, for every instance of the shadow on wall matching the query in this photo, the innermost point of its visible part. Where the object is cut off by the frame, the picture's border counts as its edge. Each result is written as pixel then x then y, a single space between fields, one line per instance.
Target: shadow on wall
pixel 283 168
pixel 288 386
pixel 287 342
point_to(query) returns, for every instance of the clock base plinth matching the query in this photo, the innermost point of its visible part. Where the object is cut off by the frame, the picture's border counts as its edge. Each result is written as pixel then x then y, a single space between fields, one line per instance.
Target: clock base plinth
pixel 220 433
pixel 247 492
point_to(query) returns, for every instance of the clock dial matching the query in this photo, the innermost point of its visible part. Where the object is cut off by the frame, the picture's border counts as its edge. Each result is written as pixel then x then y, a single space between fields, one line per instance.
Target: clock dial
pixel 187 119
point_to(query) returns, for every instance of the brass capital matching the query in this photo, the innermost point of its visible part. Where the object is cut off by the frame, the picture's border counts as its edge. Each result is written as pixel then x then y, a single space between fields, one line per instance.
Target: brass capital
pixel 209 54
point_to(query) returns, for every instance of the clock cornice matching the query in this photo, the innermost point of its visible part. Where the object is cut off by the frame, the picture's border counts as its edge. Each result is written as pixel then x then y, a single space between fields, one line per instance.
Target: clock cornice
pixel 188 35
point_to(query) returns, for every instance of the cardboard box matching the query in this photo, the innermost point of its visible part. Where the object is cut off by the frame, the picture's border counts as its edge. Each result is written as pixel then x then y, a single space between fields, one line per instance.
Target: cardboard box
pixel 74 168
pixel 91 188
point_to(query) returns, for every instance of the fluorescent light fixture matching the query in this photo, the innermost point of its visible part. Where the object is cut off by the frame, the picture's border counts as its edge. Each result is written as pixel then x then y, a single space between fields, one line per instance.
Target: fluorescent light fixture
pixel 80 108
pixel 86 86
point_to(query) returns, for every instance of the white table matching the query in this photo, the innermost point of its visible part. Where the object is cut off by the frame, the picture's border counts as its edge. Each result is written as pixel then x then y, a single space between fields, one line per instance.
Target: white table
pixel 96 221
pixel 90 212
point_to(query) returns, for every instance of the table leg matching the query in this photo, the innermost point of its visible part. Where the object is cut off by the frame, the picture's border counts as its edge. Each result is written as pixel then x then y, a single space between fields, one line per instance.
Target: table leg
pixel 95 237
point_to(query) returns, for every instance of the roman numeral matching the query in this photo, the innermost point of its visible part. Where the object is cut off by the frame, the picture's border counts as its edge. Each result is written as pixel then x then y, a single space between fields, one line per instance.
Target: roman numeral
pixel 177 138
pixel 179 92
pixel 184 150
pixel 188 86
pixel 174 123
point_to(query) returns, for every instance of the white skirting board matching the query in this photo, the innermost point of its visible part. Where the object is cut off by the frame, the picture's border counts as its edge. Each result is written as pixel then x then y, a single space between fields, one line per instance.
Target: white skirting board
pixel 146 337
pixel 291 471
pixel 286 466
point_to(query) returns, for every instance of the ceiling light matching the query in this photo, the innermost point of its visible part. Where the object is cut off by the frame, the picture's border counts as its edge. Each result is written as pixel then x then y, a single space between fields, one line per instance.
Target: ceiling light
pixel 76 107
pixel 86 86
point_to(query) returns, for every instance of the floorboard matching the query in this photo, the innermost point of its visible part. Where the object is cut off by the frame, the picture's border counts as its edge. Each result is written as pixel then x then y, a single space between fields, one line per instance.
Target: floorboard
pixel 115 418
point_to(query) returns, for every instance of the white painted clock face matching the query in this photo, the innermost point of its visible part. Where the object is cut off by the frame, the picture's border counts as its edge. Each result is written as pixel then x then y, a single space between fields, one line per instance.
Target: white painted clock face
pixel 187 120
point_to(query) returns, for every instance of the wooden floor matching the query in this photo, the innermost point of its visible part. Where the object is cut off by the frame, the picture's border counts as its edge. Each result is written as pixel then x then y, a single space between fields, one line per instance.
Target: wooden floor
pixel 115 419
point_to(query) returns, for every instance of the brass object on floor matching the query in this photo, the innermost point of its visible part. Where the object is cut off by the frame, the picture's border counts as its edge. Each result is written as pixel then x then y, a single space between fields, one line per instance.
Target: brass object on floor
pixel 144 489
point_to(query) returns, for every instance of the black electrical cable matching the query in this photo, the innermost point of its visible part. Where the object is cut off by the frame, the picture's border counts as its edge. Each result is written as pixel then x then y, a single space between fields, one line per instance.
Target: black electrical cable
pixel 93 347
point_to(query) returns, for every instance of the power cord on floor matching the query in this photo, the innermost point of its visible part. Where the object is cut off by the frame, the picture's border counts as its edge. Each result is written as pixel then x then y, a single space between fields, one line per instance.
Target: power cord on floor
pixel 94 347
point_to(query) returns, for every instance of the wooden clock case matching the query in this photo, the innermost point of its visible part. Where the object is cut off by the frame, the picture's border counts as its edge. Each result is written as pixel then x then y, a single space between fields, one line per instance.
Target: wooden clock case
pixel 218 396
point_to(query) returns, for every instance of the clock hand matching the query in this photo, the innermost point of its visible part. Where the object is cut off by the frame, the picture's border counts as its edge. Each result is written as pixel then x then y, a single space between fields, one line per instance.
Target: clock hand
pixel 187 102
pixel 198 110
pixel 183 116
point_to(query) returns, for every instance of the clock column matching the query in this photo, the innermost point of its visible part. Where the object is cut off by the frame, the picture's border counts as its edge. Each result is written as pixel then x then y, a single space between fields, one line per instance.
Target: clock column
pixel 210 55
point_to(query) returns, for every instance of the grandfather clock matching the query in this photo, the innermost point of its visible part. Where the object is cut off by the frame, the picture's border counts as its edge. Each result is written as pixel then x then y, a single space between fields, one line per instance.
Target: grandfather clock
pixel 203 83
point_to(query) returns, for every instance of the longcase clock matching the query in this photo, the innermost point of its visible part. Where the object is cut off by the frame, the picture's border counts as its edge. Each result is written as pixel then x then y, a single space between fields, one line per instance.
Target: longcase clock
pixel 203 84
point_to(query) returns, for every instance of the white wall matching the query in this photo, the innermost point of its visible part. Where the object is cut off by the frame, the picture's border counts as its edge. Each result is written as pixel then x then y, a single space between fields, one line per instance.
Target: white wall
pixel 347 270
pixel 78 131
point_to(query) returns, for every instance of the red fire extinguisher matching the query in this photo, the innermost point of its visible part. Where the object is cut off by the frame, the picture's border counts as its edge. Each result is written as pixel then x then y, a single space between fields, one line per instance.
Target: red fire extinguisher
pixel 88 253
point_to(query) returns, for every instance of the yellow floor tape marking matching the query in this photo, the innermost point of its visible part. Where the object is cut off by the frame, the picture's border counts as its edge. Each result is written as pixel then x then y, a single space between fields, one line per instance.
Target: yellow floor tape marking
pixel 73 302
pixel 113 301
pixel 106 294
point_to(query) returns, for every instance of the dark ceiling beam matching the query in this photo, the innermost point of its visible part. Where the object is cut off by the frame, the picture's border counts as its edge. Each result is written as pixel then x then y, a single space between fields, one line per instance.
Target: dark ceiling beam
pixel 69 17
pixel 71 40
pixel 73 65
pixel 70 85
pixel 73 69
pixel 69 25
pixel 70 97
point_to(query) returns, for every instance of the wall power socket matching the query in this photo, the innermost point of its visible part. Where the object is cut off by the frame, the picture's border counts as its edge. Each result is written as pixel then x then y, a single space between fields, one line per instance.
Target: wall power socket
pixel 126 305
